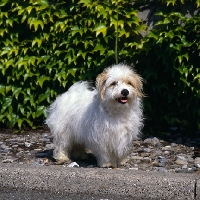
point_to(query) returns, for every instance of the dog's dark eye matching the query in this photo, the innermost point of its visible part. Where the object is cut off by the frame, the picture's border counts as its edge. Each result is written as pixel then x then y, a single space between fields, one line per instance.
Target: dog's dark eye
pixel 129 83
pixel 113 83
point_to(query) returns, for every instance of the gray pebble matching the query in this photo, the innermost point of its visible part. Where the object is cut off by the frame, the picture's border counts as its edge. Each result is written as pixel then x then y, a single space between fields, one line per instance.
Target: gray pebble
pixel 137 157
pixel 8 160
pixel 50 146
pixel 134 154
pixel 161 164
pixel 27 144
pixel 15 146
pixel 173 145
pixel 73 164
pixel 40 161
pixel 157 152
pixel 7 150
pixel 146 160
pixel 21 143
pixel 180 160
pixel 197 162
pixel 184 167
pixel 161 157
pixel 166 152
pixel 38 149
pixel 162 170
pixel 45 135
pixel 147 150
pixel 167 148
pixel 191 169
pixel 3 146
pixel 134 168
pixel 153 141
pixel 187 170
pixel 46 140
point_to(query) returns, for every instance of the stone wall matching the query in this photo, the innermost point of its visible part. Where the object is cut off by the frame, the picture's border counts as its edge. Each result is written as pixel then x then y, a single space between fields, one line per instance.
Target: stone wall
pixel 147 12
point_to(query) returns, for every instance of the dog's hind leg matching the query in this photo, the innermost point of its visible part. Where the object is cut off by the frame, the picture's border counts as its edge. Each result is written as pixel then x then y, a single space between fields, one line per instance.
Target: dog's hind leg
pixel 104 160
pixel 79 152
pixel 61 150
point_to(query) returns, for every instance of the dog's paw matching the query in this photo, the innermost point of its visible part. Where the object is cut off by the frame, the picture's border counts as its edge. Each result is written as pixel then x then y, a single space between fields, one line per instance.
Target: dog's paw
pixel 123 162
pixel 61 162
pixel 60 158
pixel 105 165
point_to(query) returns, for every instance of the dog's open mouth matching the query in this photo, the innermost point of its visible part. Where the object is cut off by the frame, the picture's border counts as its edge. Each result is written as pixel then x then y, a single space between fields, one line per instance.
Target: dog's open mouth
pixel 122 100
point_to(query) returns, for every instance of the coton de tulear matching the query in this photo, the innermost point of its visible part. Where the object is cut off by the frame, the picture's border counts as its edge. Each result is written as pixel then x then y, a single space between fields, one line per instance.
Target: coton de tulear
pixel 105 120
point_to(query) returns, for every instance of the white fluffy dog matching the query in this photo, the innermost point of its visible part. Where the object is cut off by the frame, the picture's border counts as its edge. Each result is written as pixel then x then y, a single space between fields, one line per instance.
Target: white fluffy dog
pixel 105 120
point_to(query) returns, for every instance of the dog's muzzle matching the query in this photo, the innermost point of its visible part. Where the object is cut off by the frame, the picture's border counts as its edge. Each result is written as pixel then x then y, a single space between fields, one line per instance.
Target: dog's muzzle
pixel 124 98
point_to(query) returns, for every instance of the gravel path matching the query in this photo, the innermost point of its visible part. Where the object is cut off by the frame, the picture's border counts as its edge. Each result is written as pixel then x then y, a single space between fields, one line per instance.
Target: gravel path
pixel 173 152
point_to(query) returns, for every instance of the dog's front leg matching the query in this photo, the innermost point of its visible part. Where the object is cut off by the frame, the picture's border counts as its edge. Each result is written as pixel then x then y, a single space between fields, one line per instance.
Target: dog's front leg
pixel 60 156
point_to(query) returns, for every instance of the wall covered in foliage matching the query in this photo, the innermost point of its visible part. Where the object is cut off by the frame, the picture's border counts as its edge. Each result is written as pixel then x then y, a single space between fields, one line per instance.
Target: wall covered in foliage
pixel 169 60
pixel 48 45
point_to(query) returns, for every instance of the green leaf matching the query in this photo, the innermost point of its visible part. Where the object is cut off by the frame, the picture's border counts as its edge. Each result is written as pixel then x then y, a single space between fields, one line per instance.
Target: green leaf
pixel 43 3
pixel 123 32
pixel 29 9
pixel 3 3
pixel 21 63
pixel 41 97
pixel 85 2
pixel 197 76
pixel 42 79
pixel 23 18
pixel 72 71
pixel 59 24
pixel 110 53
pixel 45 58
pixel 16 92
pixel 6 104
pixel 114 22
pixel 35 22
pixel 40 110
pixel 19 123
pixel 75 30
pixel 21 108
pixel 180 57
pixel 198 4
pixel 153 34
pixel 9 63
pixel 20 11
pixel 100 48
pixel 38 41
pixel 9 22
pixel 101 28
pixel 2 89
pixel 31 60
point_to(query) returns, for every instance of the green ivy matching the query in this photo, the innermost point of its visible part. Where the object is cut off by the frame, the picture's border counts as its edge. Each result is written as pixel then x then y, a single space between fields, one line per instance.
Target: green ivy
pixel 46 46
pixel 171 68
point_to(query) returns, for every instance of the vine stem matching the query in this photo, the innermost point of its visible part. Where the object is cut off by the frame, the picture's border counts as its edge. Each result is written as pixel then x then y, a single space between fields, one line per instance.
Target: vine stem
pixel 116 39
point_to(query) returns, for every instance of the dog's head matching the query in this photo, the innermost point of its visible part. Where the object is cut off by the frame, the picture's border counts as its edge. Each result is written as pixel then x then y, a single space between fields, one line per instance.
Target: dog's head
pixel 120 84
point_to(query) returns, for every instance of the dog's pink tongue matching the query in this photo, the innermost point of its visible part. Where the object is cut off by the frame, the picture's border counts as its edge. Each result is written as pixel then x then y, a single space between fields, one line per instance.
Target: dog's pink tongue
pixel 123 100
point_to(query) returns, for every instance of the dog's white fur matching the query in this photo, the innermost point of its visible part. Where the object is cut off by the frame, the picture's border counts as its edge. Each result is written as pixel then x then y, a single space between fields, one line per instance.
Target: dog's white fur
pixel 104 120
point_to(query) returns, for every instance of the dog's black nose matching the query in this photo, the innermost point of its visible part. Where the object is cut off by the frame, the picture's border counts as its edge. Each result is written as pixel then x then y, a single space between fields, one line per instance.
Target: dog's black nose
pixel 125 92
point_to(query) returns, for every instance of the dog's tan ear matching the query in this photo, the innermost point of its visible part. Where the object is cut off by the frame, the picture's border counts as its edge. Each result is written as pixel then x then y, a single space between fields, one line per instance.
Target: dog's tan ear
pixel 137 82
pixel 100 83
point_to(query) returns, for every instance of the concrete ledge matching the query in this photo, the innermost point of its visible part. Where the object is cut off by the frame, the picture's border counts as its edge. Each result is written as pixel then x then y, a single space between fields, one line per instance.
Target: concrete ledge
pixel 58 182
